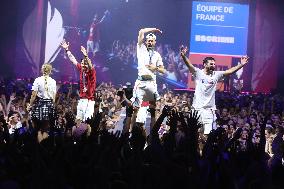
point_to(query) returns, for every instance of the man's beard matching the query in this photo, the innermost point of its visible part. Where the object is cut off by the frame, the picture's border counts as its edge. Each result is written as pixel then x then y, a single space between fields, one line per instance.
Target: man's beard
pixel 211 69
pixel 150 47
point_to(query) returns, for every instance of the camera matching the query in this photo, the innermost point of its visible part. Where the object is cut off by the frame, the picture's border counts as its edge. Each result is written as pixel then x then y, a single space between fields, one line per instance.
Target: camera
pixel 127 90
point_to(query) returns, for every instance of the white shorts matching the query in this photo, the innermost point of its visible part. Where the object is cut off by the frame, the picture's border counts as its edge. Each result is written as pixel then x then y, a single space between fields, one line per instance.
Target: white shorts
pixel 208 119
pixel 144 91
pixel 142 114
pixel 85 109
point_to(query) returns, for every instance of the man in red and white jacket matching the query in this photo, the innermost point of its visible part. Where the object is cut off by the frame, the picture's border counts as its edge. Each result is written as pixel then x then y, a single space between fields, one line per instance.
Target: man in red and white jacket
pixel 85 107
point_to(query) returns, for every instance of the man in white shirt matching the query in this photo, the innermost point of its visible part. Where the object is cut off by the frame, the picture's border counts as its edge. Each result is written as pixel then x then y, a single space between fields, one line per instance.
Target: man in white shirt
pixel 149 63
pixel 205 86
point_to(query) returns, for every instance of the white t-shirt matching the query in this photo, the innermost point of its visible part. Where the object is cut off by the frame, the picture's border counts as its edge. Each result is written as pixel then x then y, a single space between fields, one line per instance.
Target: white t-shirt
pixel 38 86
pixel 205 87
pixel 146 57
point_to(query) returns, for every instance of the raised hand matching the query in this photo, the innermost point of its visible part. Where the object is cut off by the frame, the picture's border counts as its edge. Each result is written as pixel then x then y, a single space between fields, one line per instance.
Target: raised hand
pixel 183 50
pixel 12 97
pixel 237 133
pixel 29 107
pixel 64 45
pixel 25 94
pixel 84 51
pixel 3 98
pixel 166 110
pixel 106 12
pixel 157 30
pixel 181 118
pixel 173 117
pixel 193 119
pixel 1 107
pixel 244 60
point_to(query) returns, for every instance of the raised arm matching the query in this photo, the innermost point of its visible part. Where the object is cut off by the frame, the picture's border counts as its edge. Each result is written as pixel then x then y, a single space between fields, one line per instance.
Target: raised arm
pixel 2 109
pixel 89 62
pixel 104 16
pixel 25 99
pixel 244 61
pixel 4 101
pixel 145 30
pixel 65 46
pixel 183 51
pixel 12 97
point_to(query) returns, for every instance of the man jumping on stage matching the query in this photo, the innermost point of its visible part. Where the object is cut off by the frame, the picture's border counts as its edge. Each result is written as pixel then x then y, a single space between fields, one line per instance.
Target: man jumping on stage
pixel 85 107
pixel 149 64
pixel 206 81
pixel 94 36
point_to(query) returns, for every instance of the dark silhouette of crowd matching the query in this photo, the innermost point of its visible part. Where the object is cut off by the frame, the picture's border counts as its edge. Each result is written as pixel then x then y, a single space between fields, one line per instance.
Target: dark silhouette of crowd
pixel 244 152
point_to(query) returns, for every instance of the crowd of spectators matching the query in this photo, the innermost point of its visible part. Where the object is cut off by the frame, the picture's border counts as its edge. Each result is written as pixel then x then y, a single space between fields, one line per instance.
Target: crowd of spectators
pixel 246 150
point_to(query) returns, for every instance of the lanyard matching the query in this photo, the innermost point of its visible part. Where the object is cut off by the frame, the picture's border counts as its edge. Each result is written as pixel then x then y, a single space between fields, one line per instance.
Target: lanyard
pixel 151 53
pixel 84 79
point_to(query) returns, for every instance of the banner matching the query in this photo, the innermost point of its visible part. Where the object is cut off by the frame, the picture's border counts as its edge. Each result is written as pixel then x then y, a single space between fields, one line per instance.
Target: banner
pixel 219 28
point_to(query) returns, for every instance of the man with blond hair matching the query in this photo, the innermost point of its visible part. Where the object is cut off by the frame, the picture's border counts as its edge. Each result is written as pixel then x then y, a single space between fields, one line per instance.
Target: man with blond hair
pixel 149 64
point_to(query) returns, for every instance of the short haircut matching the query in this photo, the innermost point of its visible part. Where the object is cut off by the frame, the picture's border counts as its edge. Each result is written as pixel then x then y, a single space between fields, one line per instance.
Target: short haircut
pixel 205 60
